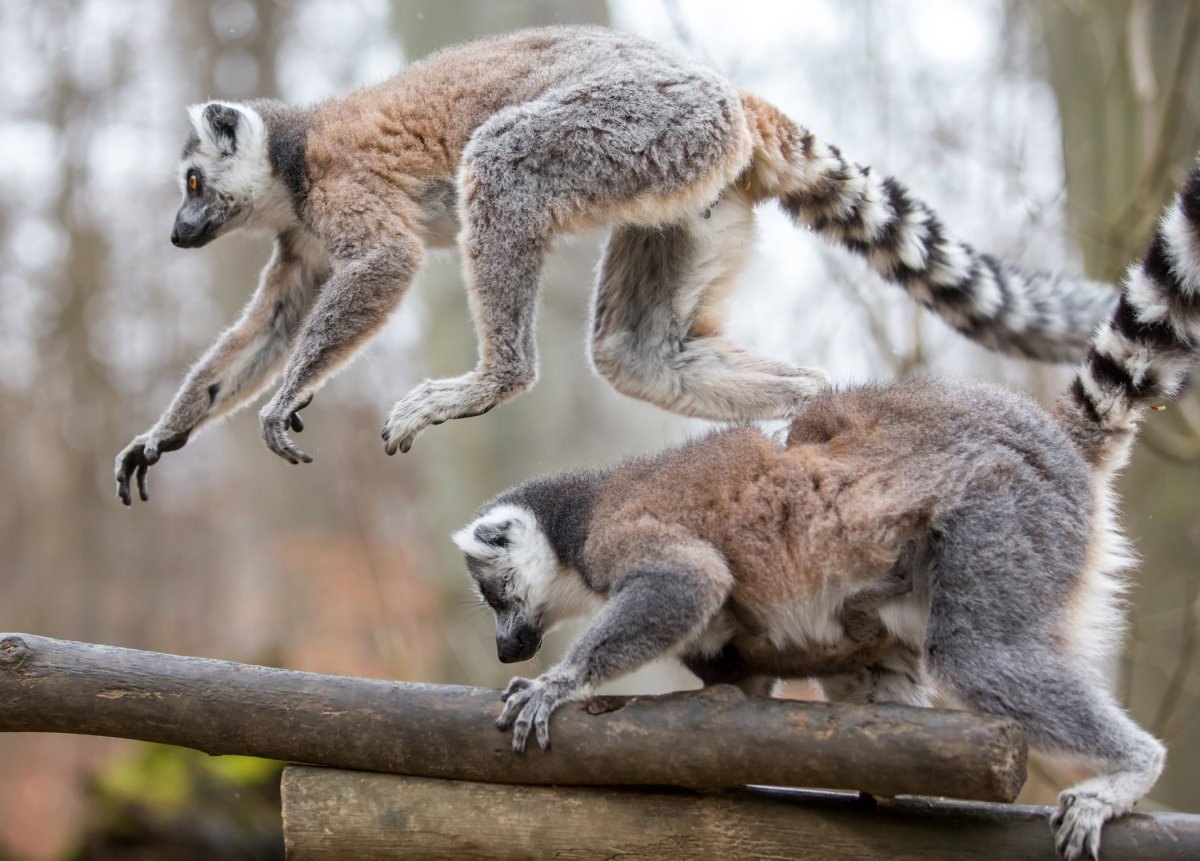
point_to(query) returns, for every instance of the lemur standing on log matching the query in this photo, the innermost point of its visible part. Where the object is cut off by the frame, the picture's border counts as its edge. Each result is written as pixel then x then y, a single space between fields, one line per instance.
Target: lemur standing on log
pixel 505 143
pixel 906 539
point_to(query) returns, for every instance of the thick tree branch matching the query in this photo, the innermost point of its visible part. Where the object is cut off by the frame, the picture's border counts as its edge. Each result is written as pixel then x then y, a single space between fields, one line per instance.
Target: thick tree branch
pixel 329 815
pixel 711 741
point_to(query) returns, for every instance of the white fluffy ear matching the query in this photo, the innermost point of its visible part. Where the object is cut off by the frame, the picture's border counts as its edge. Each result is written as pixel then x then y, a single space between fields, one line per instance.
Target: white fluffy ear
pixel 224 126
pixel 487 537
pixel 465 541
pixel 473 541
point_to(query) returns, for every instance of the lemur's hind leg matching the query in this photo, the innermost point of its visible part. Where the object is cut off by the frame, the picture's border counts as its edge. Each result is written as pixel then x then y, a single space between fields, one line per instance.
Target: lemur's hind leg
pixel 994 643
pixel 656 327
pixel 727 668
pixel 898 675
pixel 642 148
pixel 1066 712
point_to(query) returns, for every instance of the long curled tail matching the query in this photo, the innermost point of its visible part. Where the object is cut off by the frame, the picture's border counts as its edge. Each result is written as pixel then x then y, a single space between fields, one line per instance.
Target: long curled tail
pixel 1147 349
pixel 1035 315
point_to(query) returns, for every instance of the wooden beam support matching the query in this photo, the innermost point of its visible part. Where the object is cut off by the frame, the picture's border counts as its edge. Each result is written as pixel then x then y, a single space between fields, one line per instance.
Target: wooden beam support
pixel 711 740
pixel 329 815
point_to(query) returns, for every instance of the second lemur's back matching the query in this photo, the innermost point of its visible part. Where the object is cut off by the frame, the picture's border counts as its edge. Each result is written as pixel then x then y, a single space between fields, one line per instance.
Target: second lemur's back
pixel 864 472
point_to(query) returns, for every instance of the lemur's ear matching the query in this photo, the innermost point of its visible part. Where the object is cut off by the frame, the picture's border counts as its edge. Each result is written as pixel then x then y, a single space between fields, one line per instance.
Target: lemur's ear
pixel 493 534
pixel 223 125
pixel 483 540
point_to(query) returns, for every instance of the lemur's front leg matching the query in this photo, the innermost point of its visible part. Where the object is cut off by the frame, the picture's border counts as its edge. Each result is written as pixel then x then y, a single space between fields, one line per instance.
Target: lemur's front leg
pixel 353 304
pixel 659 604
pixel 238 365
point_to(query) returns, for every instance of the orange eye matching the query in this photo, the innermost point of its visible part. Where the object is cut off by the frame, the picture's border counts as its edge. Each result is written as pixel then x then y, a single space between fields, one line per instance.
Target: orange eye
pixel 193 183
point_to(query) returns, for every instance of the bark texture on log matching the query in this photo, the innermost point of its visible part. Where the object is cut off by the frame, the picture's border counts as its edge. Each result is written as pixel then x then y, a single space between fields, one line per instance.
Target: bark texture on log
pixel 330 814
pixel 711 740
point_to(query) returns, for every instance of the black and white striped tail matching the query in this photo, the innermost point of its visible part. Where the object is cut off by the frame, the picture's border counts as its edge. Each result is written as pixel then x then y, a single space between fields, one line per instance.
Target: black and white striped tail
pixel 1146 351
pixel 1038 316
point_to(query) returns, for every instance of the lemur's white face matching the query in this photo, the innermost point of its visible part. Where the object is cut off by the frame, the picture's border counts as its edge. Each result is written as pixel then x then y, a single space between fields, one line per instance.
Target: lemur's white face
pixel 517 574
pixel 226 177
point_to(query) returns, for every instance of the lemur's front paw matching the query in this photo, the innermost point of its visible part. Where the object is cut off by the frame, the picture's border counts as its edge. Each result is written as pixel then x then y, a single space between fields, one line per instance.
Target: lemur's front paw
pixel 1077 825
pixel 276 419
pixel 431 403
pixel 137 458
pixel 529 703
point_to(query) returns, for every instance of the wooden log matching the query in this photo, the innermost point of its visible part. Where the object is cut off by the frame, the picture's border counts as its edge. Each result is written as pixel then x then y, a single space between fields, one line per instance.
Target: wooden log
pixel 713 740
pixel 329 815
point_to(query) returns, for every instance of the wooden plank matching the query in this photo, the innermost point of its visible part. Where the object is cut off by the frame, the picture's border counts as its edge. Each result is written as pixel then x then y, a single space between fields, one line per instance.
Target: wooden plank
pixel 713 740
pixel 330 815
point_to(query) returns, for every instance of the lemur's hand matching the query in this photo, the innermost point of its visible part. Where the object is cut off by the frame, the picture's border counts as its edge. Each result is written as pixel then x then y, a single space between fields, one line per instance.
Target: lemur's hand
pixel 140 455
pixel 276 418
pixel 530 702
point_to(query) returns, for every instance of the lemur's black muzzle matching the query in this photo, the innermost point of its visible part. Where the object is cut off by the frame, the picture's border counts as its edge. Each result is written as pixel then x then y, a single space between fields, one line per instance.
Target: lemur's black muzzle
pixel 519 642
pixel 193 228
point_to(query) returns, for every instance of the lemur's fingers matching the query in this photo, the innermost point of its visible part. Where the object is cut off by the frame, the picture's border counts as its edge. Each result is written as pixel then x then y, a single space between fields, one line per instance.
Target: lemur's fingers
pixel 274 433
pixel 521 729
pixel 512 708
pixel 123 483
pixel 135 461
pixel 541 722
pixel 123 487
pixel 143 490
pixel 296 422
pixel 1077 824
pixel 130 461
pixel 518 683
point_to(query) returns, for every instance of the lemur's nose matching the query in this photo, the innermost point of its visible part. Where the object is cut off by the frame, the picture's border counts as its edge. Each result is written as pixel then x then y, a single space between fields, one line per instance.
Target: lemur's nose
pixel 175 237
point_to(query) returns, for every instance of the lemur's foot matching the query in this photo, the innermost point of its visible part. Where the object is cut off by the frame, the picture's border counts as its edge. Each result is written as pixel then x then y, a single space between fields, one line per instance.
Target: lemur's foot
pixel 528 703
pixel 437 401
pixel 276 420
pixel 1077 825
pixel 141 454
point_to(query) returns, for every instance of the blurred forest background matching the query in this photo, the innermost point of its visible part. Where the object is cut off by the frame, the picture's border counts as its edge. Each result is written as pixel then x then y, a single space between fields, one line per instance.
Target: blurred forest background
pixel 1047 131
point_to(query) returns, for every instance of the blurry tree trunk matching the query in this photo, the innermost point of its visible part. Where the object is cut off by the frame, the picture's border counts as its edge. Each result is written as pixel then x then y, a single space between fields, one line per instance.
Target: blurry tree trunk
pixel 72 403
pixel 1123 73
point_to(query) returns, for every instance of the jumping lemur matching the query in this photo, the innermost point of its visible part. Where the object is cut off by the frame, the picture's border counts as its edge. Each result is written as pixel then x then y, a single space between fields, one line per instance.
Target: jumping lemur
pixel 506 142
pixel 905 539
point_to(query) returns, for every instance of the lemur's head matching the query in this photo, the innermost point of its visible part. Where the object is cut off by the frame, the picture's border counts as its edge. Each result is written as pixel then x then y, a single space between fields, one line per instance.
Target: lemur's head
pixel 517 573
pixel 227 177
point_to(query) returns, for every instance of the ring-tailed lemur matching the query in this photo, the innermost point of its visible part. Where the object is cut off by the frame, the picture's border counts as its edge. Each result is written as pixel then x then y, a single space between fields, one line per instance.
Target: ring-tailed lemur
pixel 907 538
pixel 519 138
